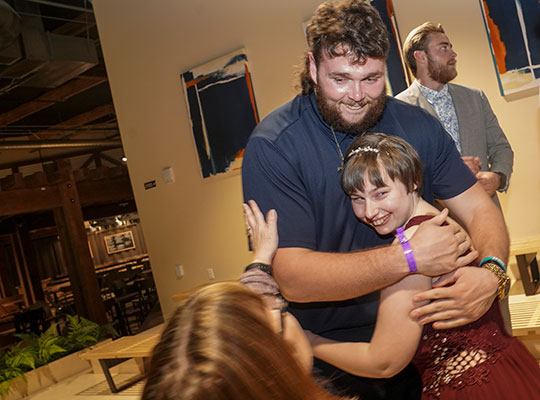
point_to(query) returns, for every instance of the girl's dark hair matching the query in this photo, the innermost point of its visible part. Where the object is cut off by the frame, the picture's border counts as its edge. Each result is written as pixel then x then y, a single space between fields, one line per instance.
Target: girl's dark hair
pixel 370 155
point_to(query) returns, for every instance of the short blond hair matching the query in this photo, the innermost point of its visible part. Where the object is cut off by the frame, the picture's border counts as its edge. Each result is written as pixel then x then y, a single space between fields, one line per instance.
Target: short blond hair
pixel 418 40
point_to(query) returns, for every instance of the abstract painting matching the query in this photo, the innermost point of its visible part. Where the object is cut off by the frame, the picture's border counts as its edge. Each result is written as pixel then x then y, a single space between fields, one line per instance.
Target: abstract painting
pixel 395 66
pixel 513 31
pixel 222 110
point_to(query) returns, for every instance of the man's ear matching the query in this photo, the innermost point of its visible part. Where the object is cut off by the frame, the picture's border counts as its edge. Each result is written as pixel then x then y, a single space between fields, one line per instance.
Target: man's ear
pixel 312 67
pixel 420 56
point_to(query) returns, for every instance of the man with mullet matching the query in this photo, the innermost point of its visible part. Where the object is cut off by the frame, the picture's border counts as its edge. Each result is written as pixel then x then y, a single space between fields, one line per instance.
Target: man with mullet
pixel 292 164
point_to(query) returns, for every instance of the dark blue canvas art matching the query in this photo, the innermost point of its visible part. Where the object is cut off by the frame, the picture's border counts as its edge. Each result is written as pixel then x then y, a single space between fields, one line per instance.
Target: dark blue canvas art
pixel 222 110
pixel 396 75
pixel 513 28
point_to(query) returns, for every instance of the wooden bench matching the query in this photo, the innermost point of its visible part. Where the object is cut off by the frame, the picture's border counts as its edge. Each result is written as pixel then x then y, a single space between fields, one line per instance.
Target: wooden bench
pixel 525 252
pixel 139 347
pixel 525 316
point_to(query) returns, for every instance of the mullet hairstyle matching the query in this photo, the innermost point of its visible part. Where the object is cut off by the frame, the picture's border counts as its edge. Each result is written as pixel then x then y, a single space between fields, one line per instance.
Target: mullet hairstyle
pixel 351 28
pixel 219 345
pixel 379 153
pixel 418 40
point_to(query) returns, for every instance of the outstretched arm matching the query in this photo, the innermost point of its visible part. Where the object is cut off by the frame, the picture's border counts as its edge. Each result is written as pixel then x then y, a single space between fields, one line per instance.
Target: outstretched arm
pixel 394 341
pixel 303 275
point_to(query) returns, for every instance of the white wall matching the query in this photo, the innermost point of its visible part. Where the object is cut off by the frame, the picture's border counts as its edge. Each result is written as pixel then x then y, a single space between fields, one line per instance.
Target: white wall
pixel 147 44
pixel 197 223
pixel 463 23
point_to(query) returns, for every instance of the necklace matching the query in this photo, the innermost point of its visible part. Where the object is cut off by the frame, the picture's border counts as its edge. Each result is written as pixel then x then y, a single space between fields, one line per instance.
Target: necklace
pixel 340 168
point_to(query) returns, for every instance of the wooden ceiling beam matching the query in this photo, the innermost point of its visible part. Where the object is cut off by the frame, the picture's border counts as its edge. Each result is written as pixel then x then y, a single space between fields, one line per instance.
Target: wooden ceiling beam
pixel 24 201
pixel 75 122
pixel 81 23
pixel 59 94
pixel 44 159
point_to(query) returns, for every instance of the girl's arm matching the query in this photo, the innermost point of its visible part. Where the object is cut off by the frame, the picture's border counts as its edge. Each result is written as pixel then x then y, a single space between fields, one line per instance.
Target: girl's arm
pixel 394 340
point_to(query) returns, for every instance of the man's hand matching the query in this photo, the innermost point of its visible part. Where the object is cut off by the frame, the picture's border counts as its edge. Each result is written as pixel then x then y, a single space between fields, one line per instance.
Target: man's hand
pixel 490 181
pixel 262 233
pixel 473 163
pixel 438 249
pixel 470 295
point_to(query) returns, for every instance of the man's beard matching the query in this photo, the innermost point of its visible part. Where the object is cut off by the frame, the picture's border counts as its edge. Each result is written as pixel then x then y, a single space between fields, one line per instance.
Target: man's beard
pixel 332 116
pixel 440 73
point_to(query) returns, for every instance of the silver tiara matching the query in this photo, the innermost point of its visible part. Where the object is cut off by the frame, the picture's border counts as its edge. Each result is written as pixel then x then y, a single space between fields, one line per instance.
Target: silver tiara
pixel 365 149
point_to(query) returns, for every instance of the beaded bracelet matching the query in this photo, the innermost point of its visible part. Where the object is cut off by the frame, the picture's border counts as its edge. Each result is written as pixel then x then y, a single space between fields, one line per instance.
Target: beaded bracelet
pixel 263 267
pixel 495 260
pixel 407 250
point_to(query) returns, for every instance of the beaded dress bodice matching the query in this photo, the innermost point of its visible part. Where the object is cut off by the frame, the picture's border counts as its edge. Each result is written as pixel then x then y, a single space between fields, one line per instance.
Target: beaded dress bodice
pixel 460 356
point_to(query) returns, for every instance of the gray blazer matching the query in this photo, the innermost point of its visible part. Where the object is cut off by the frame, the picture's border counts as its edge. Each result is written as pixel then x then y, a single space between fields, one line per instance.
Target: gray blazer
pixel 479 131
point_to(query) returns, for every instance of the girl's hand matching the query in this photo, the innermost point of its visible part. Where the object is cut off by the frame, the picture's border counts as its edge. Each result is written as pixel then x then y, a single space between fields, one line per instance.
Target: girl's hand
pixel 262 233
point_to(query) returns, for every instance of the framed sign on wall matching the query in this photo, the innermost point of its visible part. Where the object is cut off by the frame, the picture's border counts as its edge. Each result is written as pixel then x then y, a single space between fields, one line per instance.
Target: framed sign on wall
pixel 119 242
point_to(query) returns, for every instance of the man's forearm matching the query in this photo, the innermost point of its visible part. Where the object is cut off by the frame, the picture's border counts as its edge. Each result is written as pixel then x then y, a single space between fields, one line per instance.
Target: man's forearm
pixel 307 276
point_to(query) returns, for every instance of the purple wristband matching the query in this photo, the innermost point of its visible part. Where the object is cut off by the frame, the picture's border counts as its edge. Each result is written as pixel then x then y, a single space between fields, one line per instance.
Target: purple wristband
pixel 407 250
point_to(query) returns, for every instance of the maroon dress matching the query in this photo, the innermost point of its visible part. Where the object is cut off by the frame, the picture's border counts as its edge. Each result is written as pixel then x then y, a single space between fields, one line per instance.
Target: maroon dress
pixel 476 361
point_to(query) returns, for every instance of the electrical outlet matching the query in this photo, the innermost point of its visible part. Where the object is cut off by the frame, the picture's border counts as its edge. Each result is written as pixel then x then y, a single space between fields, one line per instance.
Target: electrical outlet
pixel 211 275
pixel 179 271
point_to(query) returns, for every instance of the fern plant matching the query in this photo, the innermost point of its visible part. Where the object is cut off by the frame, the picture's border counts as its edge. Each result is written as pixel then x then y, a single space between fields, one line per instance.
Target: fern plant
pixel 34 351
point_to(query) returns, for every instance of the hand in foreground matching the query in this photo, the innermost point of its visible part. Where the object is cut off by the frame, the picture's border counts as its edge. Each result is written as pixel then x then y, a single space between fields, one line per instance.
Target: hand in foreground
pixel 294 336
pixel 470 295
pixel 473 163
pixel 490 181
pixel 438 249
pixel 262 233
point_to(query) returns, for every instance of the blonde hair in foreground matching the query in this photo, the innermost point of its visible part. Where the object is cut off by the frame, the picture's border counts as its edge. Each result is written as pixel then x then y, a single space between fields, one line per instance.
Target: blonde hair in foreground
pixel 219 345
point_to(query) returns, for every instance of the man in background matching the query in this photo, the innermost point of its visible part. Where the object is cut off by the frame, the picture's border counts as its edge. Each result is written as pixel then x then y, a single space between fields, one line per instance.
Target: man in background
pixel 464 112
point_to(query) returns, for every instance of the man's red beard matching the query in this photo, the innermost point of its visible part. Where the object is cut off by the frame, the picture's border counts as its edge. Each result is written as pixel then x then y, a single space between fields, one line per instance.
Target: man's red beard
pixel 440 73
pixel 332 116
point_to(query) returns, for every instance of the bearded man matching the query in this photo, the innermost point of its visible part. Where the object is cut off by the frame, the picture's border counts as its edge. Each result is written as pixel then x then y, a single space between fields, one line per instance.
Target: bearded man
pixel 292 164
pixel 464 112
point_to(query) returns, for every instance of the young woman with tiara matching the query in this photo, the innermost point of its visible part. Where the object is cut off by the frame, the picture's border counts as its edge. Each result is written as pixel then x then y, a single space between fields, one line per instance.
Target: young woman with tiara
pixel 382 175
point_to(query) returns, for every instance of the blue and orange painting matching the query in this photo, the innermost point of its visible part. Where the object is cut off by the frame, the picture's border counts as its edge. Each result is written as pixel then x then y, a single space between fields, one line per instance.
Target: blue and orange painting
pixel 222 109
pixel 514 36
pixel 396 76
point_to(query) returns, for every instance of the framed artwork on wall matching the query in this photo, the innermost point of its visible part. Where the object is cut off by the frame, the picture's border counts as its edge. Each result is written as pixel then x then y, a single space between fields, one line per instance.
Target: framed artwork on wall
pixel 119 242
pixel 397 79
pixel 222 110
pixel 512 29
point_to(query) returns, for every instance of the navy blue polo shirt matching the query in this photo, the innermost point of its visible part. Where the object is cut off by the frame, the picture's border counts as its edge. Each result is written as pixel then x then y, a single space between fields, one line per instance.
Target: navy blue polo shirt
pixel 291 164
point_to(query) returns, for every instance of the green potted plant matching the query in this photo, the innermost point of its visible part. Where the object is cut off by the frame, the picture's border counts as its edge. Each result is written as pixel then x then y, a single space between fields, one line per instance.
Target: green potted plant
pixel 34 351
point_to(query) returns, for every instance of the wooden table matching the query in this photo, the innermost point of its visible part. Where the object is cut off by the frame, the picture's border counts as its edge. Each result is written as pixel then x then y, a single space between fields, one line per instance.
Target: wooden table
pixel 139 347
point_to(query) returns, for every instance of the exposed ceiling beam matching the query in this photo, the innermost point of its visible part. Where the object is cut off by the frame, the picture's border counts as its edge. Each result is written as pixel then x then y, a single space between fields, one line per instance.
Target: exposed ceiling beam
pixel 77 121
pixel 61 5
pixel 47 144
pixel 81 23
pixel 62 93
pixel 44 159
